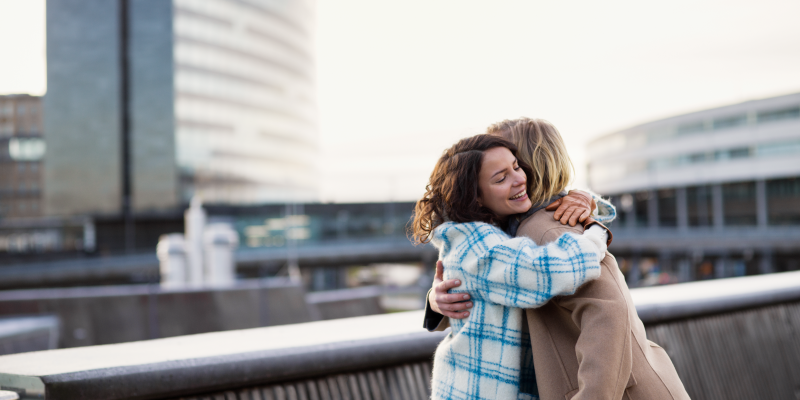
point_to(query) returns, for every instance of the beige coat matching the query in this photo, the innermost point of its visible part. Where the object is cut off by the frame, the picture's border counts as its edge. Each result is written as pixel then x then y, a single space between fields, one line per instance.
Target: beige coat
pixel 592 345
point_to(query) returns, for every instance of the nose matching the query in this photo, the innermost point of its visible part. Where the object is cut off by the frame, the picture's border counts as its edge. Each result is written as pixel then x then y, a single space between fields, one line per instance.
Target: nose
pixel 520 179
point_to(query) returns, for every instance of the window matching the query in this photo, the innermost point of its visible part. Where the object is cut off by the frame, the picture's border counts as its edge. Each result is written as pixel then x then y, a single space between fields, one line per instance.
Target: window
pixel 739 153
pixel 688 129
pixel 31 149
pixel 778 148
pixel 777 115
pixel 739 203
pixel 667 208
pixel 783 201
pixel 700 157
pixel 730 122
pixel 624 205
pixel 698 202
pixel 641 203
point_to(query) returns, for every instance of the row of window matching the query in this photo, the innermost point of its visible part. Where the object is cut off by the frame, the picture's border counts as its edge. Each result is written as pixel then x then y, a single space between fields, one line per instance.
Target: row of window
pixel 731 121
pixel 7 110
pixel 21 187
pixel 760 151
pixel 19 207
pixel 701 126
pixel 738 205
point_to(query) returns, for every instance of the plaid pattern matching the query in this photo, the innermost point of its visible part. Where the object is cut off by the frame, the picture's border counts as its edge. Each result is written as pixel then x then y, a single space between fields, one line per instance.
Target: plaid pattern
pixel 605 212
pixel 483 357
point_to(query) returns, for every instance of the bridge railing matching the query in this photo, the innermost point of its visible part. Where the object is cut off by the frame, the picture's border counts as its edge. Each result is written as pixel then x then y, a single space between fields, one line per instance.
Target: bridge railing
pixel 733 339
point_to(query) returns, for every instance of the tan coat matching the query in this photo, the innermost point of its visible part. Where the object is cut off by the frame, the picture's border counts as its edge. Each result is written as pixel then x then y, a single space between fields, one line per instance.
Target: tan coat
pixel 592 345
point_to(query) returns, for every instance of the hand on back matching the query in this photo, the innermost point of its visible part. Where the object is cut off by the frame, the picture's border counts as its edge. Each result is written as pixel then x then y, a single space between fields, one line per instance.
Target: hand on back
pixel 450 305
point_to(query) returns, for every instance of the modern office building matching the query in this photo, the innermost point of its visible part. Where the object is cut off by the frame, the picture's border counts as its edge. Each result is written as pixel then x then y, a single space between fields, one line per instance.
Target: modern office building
pixel 21 151
pixel 714 193
pixel 158 101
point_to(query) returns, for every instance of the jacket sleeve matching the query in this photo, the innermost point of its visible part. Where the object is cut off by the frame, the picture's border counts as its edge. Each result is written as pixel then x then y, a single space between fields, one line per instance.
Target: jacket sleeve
pixel 433 321
pixel 606 212
pixel 603 349
pixel 518 273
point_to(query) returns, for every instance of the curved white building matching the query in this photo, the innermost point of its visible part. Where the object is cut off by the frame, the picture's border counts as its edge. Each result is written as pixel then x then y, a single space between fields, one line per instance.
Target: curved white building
pixel 245 111
pixel 219 99
pixel 712 193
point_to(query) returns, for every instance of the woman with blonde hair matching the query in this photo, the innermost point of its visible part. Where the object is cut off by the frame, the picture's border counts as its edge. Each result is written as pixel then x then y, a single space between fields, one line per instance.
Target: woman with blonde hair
pixel 591 344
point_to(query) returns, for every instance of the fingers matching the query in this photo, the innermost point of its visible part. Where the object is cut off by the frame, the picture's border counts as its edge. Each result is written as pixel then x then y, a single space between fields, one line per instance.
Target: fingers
pixel 455 315
pixel 439 270
pixel 452 299
pixel 455 307
pixel 585 215
pixel 452 309
pixel 564 219
pixel 554 205
pixel 447 285
pixel 573 219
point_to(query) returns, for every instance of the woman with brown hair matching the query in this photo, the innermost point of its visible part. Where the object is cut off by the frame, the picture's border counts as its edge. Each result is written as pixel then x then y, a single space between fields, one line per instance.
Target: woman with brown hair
pixel 591 344
pixel 476 188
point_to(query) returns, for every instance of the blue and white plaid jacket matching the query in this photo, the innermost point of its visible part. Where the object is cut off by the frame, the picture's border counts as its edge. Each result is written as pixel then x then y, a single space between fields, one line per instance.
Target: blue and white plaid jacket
pixel 484 356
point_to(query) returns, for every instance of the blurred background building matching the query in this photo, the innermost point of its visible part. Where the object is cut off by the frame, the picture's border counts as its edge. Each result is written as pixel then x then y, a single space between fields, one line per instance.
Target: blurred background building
pixel 709 194
pixel 21 151
pixel 152 102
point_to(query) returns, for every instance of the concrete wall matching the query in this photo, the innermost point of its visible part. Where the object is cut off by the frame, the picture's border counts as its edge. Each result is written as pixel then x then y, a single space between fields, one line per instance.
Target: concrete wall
pixel 116 314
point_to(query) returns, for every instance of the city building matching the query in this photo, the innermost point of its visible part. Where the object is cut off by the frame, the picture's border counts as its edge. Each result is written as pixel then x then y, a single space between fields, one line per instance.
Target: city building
pixel 152 102
pixel 21 151
pixel 714 193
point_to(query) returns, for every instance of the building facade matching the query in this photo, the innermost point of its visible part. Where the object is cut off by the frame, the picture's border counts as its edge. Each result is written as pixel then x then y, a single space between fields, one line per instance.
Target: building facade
pixel 21 152
pixel 213 98
pixel 715 193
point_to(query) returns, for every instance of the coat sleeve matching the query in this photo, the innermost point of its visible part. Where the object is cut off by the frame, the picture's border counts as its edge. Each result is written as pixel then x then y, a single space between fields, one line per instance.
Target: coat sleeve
pixel 606 212
pixel 603 349
pixel 518 273
pixel 433 321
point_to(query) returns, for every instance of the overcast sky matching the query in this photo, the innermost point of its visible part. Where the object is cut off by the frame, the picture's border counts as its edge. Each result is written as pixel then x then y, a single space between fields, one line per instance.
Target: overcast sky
pixel 400 81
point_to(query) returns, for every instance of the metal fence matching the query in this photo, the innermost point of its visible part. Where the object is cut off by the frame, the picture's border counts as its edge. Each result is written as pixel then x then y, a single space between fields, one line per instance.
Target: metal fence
pixel 729 339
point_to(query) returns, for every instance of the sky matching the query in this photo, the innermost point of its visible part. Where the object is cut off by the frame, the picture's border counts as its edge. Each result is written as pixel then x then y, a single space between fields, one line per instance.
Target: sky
pixel 400 81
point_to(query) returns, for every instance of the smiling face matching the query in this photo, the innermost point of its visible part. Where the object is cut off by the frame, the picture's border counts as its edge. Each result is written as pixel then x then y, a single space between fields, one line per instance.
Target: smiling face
pixel 502 183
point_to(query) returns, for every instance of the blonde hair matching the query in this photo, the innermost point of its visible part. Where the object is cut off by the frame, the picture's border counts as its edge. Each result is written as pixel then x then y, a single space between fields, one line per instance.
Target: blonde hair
pixel 540 146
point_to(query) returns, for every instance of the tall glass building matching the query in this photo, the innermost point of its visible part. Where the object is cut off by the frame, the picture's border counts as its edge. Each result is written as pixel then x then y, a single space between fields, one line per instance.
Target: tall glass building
pixel 714 193
pixel 218 95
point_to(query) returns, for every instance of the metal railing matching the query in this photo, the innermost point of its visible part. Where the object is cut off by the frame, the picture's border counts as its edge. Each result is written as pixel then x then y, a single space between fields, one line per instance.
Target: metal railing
pixel 718 334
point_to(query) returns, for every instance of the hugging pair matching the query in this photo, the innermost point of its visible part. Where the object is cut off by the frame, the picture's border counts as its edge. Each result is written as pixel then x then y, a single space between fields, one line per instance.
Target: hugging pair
pixel 552 317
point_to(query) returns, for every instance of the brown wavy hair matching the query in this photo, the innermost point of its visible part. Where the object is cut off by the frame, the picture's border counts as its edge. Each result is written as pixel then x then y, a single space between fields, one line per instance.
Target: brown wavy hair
pixel 452 192
pixel 540 146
